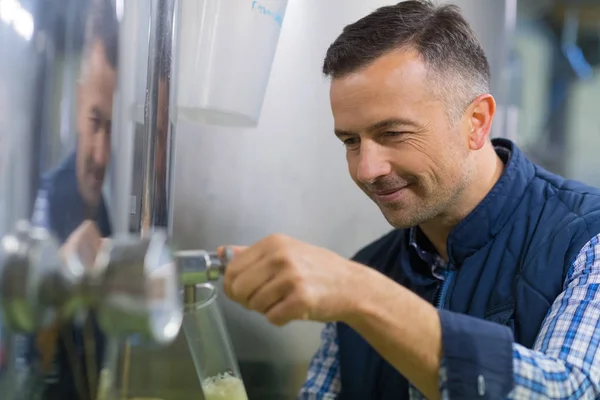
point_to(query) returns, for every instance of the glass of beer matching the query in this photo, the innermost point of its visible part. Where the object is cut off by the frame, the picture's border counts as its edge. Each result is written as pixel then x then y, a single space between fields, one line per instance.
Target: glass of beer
pixel 211 348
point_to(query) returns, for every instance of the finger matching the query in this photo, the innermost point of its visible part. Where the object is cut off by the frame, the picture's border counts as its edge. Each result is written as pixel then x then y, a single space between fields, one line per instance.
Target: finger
pixel 291 308
pixel 245 260
pixel 250 257
pixel 82 245
pixel 224 253
pixel 271 293
pixel 251 280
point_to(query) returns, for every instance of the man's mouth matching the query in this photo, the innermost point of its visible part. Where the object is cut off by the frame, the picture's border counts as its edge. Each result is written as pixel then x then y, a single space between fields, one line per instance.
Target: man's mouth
pixel 389 195
pixel 98 175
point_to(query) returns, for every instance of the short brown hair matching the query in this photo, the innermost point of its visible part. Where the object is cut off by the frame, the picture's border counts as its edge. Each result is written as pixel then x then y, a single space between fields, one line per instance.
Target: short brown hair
pixel 102 25
pixel 440 34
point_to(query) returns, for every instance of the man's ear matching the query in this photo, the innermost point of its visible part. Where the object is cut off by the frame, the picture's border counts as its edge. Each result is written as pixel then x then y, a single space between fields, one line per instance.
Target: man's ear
pixel 481 114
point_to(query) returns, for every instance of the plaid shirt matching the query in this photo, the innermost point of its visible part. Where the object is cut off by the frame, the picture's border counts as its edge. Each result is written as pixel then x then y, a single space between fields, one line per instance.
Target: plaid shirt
pixel 563 364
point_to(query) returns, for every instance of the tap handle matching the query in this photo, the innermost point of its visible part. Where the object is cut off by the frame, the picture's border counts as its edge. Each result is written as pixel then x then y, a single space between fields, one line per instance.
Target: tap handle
pixel 139 289
pixel 201 266
pixel 132 282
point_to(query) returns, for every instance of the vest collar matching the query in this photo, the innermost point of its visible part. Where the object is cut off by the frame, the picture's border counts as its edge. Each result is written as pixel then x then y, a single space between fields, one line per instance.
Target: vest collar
pixel 494 211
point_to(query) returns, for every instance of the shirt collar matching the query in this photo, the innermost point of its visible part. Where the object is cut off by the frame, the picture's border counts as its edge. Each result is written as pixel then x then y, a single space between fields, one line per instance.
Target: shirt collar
pixel 495 210
pixel 487 218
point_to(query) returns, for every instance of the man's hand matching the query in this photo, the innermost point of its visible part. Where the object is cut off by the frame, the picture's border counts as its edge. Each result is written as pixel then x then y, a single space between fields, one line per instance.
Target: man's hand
pixel 286 280
pixel 82 246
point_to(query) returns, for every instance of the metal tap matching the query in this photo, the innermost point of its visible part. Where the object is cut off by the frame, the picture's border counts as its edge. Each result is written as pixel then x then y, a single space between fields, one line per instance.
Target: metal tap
pixel 200 266
pixel 138 291
pixel 132 282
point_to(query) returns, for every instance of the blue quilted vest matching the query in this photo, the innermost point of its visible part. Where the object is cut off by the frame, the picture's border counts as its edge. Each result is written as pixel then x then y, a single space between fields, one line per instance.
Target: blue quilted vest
pixel 510 258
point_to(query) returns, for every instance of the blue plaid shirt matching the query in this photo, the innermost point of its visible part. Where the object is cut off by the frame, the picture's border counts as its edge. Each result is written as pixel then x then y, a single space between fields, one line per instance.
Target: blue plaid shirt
pixel 563 364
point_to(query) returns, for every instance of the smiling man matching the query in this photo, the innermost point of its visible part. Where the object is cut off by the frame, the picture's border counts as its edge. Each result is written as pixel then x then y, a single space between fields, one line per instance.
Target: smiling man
pixel 73 192
pixel 488 285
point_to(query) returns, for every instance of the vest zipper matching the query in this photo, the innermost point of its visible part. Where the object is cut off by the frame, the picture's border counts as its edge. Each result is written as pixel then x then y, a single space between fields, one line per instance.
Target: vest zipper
pixel 443 289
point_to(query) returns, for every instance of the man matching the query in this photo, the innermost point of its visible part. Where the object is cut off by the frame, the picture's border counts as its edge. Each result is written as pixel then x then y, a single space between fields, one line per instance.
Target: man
pixel 73 192
pixel 72 195
pixel 488 286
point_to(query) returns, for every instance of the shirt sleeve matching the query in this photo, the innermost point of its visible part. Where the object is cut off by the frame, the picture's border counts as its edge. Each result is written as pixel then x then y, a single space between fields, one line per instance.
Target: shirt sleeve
pixel 564 362
pixel 323 380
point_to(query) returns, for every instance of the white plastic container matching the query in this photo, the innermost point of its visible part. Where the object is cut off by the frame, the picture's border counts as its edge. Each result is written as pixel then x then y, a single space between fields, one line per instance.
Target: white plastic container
pixel 225 53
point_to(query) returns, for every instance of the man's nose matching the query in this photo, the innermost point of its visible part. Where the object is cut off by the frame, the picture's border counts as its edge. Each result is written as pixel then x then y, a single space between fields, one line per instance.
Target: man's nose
pixel 373 163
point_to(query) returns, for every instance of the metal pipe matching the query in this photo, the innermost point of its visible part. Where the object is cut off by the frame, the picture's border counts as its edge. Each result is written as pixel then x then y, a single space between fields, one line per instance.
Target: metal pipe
pixel 189 294
pixel 158 127
pixel 158 132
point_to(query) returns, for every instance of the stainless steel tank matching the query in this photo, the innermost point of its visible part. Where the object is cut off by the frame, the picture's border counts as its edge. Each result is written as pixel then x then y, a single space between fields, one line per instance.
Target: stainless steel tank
pixel 76 281
pixel 58 78
pixel 207 62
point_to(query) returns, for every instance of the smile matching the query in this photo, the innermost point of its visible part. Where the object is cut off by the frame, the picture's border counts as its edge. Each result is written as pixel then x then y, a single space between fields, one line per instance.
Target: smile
pixel 389 196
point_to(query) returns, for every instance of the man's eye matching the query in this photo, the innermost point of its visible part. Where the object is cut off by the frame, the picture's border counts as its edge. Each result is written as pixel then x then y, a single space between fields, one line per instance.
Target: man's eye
pixel 393 134
pixel 350 141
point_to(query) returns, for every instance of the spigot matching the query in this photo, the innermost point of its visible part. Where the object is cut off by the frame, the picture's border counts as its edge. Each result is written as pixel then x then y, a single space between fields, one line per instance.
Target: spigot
pixel 139 288
pixel 132 282
pixel 201 266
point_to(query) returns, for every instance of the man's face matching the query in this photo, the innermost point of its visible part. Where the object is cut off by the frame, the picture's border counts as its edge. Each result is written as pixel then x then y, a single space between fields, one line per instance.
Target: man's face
pixel 94 119
pixel 401 148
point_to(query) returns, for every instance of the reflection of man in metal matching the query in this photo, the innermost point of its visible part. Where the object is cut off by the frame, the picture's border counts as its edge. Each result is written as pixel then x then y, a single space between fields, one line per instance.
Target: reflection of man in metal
pixel 95 99
pixel 72 194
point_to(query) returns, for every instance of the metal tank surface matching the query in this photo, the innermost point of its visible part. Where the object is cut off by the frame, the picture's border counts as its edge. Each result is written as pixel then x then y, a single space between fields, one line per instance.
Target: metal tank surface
pixel 68 287
pixel 206 62
pixel 77 287
pixel 57 81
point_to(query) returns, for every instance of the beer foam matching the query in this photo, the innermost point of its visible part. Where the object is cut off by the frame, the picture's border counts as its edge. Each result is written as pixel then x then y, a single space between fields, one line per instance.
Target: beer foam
pixel 224 387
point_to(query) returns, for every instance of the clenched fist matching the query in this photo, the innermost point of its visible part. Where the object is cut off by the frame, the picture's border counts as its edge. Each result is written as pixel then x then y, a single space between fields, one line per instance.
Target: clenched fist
pixel 286 280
